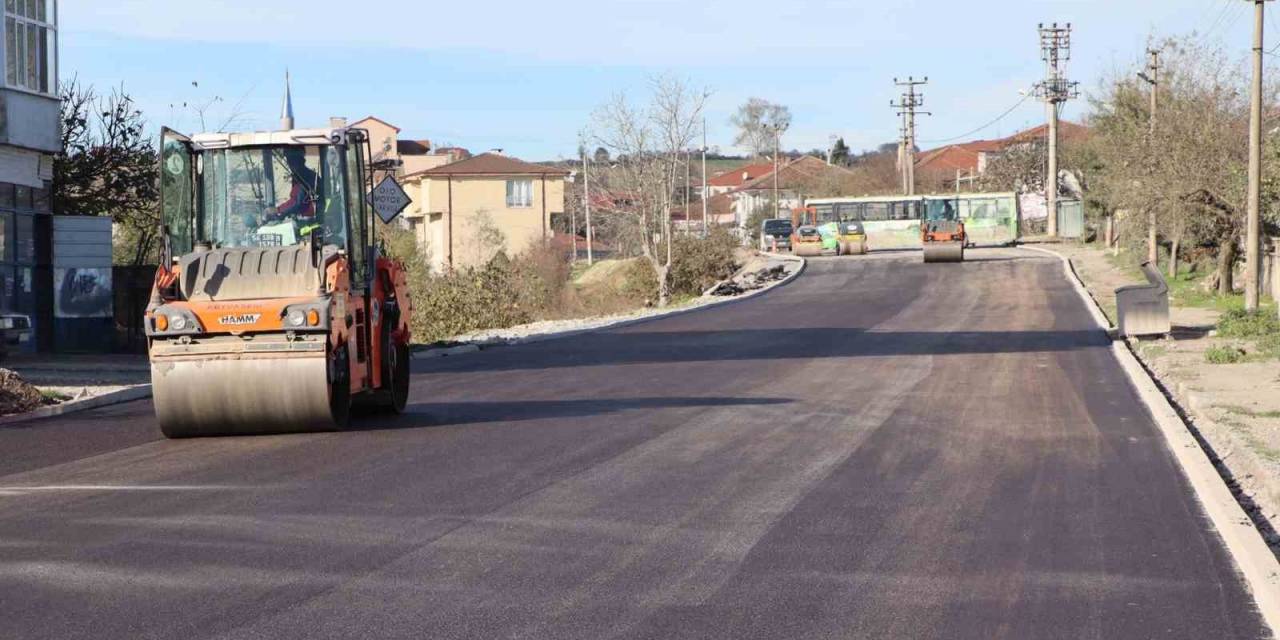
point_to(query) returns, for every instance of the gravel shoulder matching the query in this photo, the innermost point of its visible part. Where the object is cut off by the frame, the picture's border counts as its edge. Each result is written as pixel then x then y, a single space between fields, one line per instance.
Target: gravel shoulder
pixel 1234 408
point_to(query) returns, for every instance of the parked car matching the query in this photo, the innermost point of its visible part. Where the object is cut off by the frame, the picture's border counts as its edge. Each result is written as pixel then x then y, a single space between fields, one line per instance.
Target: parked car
pixel 775 233
pixel 15 330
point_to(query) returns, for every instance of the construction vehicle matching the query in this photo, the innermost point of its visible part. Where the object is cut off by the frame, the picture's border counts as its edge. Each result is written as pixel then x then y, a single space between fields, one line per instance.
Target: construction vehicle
pixel 273 309
pixel 851 238
pixel 942 232
pixel 806 239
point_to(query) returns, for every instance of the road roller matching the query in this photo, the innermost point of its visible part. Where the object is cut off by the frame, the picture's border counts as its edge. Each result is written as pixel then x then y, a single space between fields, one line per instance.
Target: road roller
pixel 942 232
pixel 806 241
pixel 851 239
pixel 273 310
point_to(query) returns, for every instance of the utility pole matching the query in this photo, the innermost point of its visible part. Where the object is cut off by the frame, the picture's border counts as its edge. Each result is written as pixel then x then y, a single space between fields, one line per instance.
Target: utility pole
pixel 586 204
pixel 704 177
pixel 1055 50
pixel 1253 248
pixel 777 204
pixel 573 215
pixel 911 101
pixel 688 159
pixel 1151 76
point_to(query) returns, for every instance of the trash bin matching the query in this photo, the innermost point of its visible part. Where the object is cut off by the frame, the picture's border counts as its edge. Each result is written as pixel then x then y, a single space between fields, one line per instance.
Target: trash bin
pixel 1143 309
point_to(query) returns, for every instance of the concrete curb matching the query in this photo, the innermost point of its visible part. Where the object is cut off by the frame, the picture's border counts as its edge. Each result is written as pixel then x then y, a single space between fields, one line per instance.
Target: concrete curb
pixel 107 399
pixel 1254 559
pixel 622 322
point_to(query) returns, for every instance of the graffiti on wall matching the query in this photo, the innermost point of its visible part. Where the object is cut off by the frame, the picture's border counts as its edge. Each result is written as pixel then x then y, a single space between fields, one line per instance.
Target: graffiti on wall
pixel 83 293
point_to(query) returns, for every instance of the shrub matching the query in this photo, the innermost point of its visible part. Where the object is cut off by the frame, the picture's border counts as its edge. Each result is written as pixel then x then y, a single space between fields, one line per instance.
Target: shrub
pixel 1224 354
pixel 1238 323
pixel 698 263
pixel 639 283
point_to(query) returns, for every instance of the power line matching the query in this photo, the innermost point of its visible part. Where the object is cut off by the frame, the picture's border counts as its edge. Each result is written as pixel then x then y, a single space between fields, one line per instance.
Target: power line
pixel 1226 7
pixel 998 118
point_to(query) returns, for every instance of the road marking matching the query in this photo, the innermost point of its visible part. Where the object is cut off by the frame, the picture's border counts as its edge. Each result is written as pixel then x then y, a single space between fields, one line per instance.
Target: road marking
pixel 22 490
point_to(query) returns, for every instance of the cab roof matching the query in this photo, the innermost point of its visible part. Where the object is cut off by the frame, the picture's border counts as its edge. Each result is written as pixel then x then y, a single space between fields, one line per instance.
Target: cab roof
pixel 205 141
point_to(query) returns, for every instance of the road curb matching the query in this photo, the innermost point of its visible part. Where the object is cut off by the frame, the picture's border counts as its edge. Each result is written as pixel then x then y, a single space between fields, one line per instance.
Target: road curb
pixel 1254 560
pixel 622 322
pixel 107 399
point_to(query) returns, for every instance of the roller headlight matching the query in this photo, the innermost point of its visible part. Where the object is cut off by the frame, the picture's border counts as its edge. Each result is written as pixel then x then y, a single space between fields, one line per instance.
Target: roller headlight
pixel 177 322
pixel 296 318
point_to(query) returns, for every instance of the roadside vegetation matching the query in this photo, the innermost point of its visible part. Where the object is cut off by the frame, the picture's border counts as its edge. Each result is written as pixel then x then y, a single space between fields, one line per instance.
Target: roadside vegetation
pixel 542 284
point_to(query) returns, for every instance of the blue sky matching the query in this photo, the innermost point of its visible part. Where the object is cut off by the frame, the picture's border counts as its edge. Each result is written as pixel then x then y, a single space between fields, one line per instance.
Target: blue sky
pixel 525 76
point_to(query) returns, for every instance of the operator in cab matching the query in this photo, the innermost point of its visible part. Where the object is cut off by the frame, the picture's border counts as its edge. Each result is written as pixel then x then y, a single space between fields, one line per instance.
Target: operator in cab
pixel 296 188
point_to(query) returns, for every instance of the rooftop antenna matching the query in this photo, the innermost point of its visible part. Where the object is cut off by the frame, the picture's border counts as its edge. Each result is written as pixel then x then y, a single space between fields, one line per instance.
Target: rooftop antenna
pixel 286 108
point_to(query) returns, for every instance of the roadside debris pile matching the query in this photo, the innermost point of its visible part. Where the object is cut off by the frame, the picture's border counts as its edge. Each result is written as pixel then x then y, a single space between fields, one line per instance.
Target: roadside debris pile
pixel 750 281
pixel 17 395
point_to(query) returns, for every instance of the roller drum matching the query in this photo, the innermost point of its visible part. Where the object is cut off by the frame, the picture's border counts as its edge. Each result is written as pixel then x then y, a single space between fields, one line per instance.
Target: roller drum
pixel 245 396
pixel 807 249
pixel 944 252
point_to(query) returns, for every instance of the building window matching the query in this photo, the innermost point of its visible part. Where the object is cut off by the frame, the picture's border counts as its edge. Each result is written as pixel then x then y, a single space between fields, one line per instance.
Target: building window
pixel 30 45
pixel 520 193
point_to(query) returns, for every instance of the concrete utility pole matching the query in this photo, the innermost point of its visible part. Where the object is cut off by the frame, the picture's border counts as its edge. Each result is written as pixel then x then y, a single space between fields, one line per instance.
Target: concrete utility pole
pixel 777 204
pixel 704 177
pixel 1253 231
pixel 1152 77
pixel 586 204
pixel 1055 50
pixel 911 101
pixel 688 159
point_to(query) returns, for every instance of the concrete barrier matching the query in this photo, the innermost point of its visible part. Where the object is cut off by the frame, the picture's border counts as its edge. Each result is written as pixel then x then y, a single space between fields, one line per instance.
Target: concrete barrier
pixel 1143 309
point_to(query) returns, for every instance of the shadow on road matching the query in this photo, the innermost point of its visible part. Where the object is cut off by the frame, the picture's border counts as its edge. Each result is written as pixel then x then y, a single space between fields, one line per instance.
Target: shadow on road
pixel 640 347
pixel 431 414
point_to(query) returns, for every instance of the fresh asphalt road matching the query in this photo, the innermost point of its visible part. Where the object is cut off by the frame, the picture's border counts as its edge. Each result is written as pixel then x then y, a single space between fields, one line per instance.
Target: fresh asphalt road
pixel 880 449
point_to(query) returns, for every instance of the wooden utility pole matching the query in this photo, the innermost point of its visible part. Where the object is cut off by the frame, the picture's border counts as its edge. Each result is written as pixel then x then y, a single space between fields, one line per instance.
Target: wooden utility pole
pixel 1152 77
pixel 1253 231
pixel 1055 50
pixel 907 108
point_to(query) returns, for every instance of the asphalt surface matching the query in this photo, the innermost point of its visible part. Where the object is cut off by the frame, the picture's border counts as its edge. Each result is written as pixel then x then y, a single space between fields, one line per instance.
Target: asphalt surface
pixel 881 449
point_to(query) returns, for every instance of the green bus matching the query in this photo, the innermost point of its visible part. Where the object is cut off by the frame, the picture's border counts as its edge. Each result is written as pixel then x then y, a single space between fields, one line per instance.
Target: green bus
pixel 893 222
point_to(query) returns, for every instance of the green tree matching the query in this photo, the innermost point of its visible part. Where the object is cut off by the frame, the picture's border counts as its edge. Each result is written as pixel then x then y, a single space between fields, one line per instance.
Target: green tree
pixel 840 153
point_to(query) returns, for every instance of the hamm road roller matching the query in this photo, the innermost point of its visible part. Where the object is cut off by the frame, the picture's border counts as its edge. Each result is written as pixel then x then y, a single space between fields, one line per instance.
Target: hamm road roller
pixel 942 232
pixel 273 309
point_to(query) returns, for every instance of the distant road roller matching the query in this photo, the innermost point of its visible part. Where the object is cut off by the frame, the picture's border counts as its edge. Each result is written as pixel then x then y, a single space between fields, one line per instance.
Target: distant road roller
pixel 942 232
pixel 851 239
pixel 806 241
pixel 273 309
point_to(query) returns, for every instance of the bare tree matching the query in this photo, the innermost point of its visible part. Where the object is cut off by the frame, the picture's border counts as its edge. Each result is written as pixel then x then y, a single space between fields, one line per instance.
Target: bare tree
pixel 1189 171
pixel 757 120
pixel 107 166
pixel 645 142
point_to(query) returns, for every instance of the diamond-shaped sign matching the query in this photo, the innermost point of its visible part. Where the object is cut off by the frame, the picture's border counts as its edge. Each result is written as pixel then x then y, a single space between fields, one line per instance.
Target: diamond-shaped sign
pixel 388 199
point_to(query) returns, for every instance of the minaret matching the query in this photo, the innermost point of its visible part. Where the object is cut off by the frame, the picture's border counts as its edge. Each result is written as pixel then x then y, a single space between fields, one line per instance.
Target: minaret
pixel 286 108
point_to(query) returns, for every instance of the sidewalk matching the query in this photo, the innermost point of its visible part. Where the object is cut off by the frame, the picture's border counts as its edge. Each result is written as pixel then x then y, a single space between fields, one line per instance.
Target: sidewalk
pixel 1235 407
pixel 80 375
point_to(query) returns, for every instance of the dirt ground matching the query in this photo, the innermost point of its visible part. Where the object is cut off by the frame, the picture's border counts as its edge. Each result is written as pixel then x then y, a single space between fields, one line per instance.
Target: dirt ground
pixel 1235 407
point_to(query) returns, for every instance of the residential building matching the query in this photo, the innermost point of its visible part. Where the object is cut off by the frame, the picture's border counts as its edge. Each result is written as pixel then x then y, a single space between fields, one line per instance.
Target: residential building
pixel 942 166
pixel 29 139
pixel 803 177
pixel 413 155
pixel 464 212
pixel 735 178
